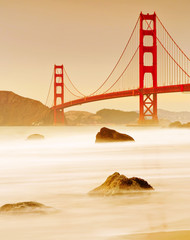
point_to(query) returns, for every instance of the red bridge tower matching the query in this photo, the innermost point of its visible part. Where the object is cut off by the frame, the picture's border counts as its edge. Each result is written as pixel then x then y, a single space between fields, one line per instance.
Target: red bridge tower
pixel 58 94
pixel 148 102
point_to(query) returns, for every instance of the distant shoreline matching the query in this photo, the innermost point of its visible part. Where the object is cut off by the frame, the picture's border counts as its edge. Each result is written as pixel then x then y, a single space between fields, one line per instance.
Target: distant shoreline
pixel 20 111
pixel 171 235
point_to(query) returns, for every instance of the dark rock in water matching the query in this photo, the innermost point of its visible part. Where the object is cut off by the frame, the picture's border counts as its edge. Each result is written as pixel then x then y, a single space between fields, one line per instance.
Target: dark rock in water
pixel 176 124
pixel 110 135
pixel 24 207
pixel 35 137
pixel 120 184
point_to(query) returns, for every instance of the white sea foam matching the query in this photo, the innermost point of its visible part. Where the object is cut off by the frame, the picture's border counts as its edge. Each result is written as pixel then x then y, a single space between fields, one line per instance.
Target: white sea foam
pixel 60 170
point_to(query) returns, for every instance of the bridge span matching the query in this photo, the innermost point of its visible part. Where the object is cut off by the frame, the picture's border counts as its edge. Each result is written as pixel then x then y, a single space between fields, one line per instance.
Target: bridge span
pixel 151 63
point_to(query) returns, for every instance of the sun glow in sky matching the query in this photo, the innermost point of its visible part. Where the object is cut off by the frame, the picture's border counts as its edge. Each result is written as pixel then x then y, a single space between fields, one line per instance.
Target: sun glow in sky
pixel 86 36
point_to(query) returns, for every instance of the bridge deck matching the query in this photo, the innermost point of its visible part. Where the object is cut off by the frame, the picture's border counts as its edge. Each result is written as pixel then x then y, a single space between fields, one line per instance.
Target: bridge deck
pixel 127 93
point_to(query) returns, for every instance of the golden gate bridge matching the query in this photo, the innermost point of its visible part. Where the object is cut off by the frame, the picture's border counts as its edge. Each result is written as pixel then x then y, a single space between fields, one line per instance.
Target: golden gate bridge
pixel 151 63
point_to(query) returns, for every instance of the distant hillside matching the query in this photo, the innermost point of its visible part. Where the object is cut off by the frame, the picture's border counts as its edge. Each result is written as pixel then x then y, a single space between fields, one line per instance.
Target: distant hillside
pixel 117 116
pixel 82 118
pixel 20 111
pixel 104 116
pixel 183 117
pixel 111 116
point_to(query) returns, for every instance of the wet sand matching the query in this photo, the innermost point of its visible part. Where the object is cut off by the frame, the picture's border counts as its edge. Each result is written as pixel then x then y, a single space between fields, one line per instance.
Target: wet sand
pixel 174 235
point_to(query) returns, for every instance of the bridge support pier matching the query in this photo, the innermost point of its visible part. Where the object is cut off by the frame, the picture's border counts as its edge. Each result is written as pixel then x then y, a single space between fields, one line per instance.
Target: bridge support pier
pixel 148 102
pixel 58 94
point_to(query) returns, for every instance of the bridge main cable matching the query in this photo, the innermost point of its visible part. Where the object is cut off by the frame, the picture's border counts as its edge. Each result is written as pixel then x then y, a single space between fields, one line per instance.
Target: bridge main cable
pixel 46 102
pixel 123 71
pixel 172 39
pixel 168 51
pixel 73 84
pixel 118 59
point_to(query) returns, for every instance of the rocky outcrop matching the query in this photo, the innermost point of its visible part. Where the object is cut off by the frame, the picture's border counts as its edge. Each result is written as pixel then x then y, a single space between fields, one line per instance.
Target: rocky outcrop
pixel 20 111
pixel 24 207
pixel 35 137
pixel 120 184
pixel 110 135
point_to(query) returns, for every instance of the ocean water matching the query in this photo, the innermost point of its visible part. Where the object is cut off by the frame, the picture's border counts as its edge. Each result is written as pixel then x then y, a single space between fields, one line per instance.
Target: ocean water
pixel 60 170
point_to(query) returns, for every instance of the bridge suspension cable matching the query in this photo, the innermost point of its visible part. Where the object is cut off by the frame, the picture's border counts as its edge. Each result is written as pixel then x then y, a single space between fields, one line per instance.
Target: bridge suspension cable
pixel 49 91
pixel 172 38
pixel 119 60
pixel 72 83
pixel 116 74
pixel 67 83
pixel 173 67
pixel 123 71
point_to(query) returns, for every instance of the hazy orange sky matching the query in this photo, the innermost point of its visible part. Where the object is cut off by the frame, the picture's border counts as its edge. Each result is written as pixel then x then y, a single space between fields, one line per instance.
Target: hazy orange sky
pixel 87 36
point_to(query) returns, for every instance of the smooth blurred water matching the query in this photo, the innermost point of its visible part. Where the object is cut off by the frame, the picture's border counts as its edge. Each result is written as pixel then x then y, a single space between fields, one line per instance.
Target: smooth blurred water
pixel 60 170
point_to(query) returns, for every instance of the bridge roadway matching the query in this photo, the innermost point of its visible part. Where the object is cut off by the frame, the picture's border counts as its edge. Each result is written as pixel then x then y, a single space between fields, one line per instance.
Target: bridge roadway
pixel 127 93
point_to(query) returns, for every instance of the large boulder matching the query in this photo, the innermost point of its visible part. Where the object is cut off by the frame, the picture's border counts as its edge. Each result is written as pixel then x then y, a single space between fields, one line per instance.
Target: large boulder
pixel 110 135
pixel 24 207
pixel 35 137
pixel 120 184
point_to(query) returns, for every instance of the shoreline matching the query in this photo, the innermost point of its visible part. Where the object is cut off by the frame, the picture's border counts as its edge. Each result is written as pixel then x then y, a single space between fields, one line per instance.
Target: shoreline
pixel 168 235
